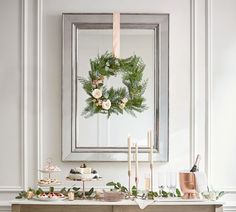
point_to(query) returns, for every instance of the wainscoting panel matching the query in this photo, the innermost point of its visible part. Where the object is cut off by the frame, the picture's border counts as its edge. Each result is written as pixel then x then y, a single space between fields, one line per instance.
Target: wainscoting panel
pixel 12 92
pixel 221 50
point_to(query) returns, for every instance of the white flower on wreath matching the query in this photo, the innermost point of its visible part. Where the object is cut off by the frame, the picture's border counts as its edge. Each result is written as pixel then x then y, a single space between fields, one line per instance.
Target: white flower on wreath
pixel 106 104
pixel 124 100
pixel 122 106
pixel 97 93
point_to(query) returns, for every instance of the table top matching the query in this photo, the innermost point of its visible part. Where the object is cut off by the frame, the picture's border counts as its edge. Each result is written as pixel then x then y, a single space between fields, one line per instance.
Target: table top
pixel 120 203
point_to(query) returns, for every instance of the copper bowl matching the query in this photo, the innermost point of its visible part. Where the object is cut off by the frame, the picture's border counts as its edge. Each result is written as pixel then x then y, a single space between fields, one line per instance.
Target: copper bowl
pixel 188 185
pixel 113 196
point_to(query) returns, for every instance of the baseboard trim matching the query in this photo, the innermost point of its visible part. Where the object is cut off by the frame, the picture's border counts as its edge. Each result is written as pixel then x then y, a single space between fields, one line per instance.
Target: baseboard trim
pixel 5 206
pixel 230 208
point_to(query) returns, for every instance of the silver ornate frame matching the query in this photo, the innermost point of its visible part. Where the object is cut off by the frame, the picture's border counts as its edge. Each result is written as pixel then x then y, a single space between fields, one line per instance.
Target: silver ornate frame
pixel 157 22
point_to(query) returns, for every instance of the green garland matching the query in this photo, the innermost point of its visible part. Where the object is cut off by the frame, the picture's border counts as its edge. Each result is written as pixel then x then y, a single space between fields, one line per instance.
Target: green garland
pixel 144 195
pixel 114 101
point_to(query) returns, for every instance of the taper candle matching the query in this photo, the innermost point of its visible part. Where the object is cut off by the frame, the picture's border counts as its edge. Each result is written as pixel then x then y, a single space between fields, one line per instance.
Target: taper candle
pixel 151 157
pixel 136 160
pixel 151 147
pixel 148 144
pixel 116 34
pixel 136 163
pixel 129 154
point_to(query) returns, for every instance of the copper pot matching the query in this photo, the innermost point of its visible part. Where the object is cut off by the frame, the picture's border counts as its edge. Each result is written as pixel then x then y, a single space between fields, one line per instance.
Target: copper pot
pixel 188 185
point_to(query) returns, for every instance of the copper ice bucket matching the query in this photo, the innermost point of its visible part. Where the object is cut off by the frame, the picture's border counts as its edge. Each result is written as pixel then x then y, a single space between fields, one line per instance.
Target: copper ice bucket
pixel 188 185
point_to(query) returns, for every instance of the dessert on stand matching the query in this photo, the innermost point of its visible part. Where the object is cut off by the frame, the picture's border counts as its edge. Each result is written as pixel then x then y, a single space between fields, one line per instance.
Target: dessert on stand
pixel 83 174
pixel 49 169
pixel 48 182
pixel 45 190
pixel 45 182
pixel 50 195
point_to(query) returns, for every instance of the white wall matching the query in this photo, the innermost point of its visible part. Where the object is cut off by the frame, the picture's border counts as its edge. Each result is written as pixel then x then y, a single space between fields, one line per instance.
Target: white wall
pixel 223 93
pixel 179 86
pixel 202 45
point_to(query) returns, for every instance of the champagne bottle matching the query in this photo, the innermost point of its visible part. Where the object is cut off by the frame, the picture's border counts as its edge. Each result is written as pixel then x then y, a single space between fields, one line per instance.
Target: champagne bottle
pixel 195 167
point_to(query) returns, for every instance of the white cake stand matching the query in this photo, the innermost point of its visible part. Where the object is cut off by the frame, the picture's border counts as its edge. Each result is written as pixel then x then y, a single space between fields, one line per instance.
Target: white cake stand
pixel 49 172
pixel 83 183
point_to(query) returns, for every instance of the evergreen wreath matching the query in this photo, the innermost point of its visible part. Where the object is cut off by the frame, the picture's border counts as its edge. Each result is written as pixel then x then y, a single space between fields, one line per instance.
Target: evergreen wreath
pixel 114 101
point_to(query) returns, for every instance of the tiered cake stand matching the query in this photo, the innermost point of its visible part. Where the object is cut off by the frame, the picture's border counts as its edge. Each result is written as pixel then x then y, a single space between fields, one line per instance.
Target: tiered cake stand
pixel 49 171
pixel 83 181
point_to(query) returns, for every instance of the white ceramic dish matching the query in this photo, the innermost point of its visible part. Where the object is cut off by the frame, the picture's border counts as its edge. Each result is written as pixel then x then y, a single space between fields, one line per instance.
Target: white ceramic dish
pixel 49 199
pixel 49 185
pixel 49 171
pixel 96 179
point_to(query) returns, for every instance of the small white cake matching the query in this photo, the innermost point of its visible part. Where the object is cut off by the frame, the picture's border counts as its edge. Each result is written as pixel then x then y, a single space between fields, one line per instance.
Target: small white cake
pixel 83 173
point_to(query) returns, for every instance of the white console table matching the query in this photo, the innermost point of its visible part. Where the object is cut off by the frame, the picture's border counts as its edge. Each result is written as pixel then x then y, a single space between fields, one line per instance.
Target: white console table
pixel 122 206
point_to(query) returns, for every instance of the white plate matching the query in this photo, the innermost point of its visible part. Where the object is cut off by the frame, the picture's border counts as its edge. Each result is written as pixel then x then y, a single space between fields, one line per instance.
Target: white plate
pixel 49 199
pixel 91 179
pixel 47 171
pixel 49 185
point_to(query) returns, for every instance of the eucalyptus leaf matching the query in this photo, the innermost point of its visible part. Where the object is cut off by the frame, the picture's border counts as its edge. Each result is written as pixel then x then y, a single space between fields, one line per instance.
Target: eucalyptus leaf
pixel 164 193
pixel 76 188
pixel 178 193
pixel 51 189
pixel 124 189
pixel 118 184
pixel 134 191
pixel 89 193
pixel 19 197
pixel 222 193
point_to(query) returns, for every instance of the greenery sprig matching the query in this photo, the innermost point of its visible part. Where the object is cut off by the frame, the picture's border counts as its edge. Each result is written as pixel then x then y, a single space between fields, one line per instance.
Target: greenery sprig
pixel 144 195
pixel 114 101
pixel 35 192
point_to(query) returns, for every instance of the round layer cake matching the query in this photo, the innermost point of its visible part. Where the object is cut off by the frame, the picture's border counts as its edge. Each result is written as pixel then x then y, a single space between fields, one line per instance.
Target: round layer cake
pixel 83 173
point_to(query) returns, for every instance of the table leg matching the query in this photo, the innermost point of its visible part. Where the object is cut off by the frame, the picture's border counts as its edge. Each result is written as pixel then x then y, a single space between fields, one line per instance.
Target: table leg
pixel 219 208
pixel 16 208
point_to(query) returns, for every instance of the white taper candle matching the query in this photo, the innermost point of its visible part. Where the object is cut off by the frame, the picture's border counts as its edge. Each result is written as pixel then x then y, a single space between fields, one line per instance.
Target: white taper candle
pixel 116 34
pixel 129 154
pixel 151 147
pixel 148 144
pixel 136 161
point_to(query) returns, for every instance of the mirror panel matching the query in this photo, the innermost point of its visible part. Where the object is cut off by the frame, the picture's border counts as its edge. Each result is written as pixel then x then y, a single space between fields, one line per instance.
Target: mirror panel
pixel 98 138
pixel 108 132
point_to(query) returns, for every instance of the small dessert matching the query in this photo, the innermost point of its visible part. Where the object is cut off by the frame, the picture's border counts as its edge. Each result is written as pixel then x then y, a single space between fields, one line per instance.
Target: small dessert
pixel 48 181
pixel 50 196
pixel 43 196
pixel 83 173
pixel 51 168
